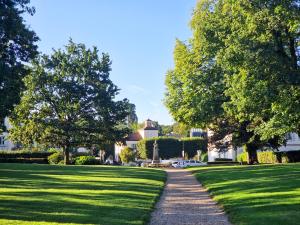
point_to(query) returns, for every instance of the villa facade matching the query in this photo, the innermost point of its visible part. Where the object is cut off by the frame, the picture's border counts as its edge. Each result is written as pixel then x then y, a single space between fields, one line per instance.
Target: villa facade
pixel 231 152
pixel 149 131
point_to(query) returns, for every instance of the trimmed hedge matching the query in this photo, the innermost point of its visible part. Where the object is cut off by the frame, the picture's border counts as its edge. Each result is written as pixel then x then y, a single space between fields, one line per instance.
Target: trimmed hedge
pixel 171 147
pixel 271 157
pixel 191 145
pixel 24 160
pixel 21 154
pixel 24 157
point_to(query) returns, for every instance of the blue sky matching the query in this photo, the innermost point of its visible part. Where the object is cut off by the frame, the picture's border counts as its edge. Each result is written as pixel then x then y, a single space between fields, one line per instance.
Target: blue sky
pixel 139 35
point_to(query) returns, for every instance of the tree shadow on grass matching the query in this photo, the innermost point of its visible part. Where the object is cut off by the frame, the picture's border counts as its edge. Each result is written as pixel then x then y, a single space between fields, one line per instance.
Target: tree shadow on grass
pixel 256 195
pixel 77 194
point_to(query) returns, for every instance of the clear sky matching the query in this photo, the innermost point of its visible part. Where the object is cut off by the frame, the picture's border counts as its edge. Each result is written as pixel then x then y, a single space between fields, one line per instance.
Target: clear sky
pixel 139 35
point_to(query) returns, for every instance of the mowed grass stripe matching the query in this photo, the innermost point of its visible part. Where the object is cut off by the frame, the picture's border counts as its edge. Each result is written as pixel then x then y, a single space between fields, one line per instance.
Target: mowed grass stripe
pixel 46 194
pixel 255 195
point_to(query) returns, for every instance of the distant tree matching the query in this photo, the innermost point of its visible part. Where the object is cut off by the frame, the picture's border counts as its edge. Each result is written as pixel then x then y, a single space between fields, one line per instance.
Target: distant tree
pixel 181 129
pixel 127 155
pixel 132 118
pixel 17 47
pixel 69 102
pixel 166 130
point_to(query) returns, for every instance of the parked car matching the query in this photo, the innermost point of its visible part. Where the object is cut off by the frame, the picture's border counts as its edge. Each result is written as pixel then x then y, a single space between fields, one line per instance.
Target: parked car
pixel 185 163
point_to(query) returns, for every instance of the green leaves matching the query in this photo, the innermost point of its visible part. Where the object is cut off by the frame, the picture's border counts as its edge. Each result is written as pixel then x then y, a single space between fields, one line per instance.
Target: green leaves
pixel 69 101
pixel 241 66
pixel 17 47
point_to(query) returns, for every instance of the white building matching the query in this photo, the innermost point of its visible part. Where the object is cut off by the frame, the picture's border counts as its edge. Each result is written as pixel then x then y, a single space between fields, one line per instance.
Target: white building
pixel 5 143
pixel 231 152
pixel 149 131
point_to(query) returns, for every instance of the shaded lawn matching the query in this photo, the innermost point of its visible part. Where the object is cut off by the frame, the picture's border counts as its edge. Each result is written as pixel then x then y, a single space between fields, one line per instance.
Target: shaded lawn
pixel 47 194
pixel 255 195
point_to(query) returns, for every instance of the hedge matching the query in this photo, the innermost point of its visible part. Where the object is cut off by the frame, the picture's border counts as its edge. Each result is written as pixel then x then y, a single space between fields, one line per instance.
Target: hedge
pixel 21 154
pixel 171 147
pixel 272 157
pixel 191 145
pixel 24 157
pixel 24 160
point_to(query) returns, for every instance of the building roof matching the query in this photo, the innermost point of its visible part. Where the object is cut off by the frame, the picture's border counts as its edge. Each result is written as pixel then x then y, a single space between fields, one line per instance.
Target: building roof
pixel 150 128
pixel 134 137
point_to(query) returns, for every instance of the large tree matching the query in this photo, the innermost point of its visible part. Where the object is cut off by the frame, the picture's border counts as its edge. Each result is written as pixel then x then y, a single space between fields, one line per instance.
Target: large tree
pixel 69 102
pixel 17 47
pixel 240 71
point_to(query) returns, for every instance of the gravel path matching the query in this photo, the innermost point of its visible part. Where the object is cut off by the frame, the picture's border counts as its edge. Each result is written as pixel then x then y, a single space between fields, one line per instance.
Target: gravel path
pixel 185 202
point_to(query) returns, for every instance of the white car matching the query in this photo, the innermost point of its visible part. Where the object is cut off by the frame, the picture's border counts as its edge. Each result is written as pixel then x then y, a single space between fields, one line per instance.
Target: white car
pixel 185 163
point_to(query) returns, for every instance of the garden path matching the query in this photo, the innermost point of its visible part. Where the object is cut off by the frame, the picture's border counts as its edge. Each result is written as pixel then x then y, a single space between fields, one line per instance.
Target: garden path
pixel 185 202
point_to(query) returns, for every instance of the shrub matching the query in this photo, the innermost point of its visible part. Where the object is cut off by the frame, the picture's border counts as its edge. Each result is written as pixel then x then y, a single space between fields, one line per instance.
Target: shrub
pixel 267 157
pixel 56 158
pixel 171 147
pixel 127 155
pixel 86 160
pixel 204 157
pixel 243 158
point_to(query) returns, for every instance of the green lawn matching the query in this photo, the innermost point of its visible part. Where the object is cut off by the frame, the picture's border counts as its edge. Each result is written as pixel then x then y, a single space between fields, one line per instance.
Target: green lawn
pixel 46 194
pixel 255 195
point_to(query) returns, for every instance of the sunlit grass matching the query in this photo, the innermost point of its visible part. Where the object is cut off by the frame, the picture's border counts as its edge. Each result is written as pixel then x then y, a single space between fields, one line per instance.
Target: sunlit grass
pixel 255 195
pixel 45 194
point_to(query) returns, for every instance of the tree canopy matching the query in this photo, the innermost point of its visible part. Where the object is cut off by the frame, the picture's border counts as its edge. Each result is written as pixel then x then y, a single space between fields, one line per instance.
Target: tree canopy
pixel 17 47
pixel 69 101
pixel 240 70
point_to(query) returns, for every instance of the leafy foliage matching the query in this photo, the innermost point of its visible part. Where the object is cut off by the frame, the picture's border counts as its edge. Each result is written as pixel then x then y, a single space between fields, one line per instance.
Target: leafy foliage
pixel 86 160
pixel 17 47
pixel 239 73
pixel 56 158
pixel 127 155
pixel 69 102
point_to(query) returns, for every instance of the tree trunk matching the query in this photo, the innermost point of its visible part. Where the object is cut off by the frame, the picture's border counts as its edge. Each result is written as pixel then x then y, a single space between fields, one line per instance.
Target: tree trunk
pixel 252 153
pixel 67 155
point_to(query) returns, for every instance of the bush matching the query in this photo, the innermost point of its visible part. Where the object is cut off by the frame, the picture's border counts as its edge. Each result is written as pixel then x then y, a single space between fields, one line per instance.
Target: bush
pixel 171 147
pixel 86 160
pixel 127 155
pixel 204 157
pixel 243 158
pixel 267 157
pixel 56 158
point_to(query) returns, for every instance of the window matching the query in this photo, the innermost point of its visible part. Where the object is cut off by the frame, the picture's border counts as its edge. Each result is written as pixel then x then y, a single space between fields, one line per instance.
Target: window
pixel 2 140
pixel 133 146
